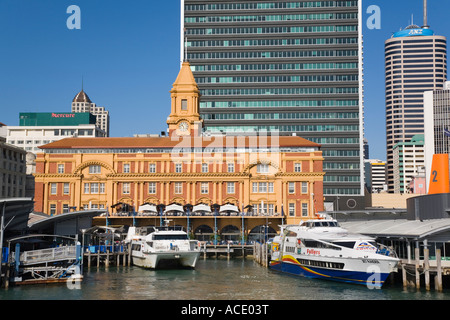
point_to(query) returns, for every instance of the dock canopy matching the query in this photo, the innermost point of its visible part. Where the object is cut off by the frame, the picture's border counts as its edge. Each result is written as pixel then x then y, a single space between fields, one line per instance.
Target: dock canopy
pixel 148 208
pixel 201 209
pixel 228 208
pixel 174 208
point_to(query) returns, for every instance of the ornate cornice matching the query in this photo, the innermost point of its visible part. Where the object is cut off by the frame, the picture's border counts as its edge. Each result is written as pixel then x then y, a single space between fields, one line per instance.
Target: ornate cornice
pixel 179 175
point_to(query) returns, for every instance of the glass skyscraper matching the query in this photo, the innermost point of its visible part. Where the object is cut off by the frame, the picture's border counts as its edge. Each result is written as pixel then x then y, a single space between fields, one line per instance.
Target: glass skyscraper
pixel 292 67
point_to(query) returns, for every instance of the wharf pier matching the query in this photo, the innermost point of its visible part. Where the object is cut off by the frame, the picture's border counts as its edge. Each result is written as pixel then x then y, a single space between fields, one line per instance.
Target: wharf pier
pixel 107 255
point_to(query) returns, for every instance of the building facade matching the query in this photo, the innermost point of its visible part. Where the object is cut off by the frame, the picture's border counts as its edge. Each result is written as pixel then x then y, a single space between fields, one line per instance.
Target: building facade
pixel 82 103
pixel 416 61
pixel 409 162
pixel 437 124
pixel 285 67
pixel 12 170
pixel 39 128
pixel 375 171
pixel 273 176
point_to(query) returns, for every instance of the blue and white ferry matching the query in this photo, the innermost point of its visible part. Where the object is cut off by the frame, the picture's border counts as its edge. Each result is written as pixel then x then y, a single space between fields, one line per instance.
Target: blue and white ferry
pixel 320 248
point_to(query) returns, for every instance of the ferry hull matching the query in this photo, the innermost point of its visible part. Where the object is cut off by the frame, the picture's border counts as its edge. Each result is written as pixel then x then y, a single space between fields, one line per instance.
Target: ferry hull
pixel 163 259
pixel 372 280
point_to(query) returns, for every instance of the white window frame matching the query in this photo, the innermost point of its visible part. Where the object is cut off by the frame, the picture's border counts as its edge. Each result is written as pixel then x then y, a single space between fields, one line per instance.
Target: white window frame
pixel 95 169
pixel 204 188
pixel 126 168
pixel 66 188
pixel 291 187
pixel 152 168
pixel 53 188
pixel 230 187
pixel 60 168
pixel 152 187
pixel 291 209
pixel 126 187
pixel 178 188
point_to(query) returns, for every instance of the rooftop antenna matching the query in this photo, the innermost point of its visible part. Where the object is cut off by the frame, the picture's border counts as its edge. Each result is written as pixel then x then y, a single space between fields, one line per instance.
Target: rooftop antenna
pixel 425 15
pixel 82 83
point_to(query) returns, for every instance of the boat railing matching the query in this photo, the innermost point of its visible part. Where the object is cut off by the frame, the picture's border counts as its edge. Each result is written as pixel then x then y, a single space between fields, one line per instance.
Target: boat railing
pixel 47 255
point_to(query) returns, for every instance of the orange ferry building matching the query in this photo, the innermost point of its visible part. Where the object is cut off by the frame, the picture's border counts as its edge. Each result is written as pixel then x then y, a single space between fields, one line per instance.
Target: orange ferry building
pixel 235 182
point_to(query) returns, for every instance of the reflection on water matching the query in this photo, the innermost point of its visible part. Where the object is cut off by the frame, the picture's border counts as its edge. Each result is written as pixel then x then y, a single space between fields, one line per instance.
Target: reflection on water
pixel 236 279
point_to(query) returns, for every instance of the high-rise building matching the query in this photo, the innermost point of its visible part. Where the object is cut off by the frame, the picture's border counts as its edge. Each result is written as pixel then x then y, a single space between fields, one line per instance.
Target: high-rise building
pixel 409 162
pixel 82 103
pixel 375 172
pixel 292 67
pixel 415 61
pixel 437 124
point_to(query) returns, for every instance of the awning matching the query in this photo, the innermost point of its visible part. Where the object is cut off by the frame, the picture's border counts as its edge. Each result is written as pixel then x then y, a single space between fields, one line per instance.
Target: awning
pixel 228 207
pixel 201 207
pixel 174 207
pixel 148 208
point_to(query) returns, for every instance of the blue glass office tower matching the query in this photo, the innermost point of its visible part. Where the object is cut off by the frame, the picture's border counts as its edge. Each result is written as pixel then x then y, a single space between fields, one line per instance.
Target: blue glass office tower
pixel 289 66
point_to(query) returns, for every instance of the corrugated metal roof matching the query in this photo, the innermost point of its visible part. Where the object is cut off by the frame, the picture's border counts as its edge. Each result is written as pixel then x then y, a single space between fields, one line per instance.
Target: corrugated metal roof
pixel 398 228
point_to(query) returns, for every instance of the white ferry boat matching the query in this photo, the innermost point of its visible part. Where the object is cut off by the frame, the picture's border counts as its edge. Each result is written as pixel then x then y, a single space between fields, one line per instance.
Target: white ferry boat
pixel 158 247
pixel 320 248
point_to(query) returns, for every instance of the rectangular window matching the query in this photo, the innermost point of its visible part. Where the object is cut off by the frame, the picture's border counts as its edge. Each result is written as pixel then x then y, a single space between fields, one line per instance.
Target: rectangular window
pixel 52 209
pixel 271 209
pixel 297 167
pixel 152 168
pixel 230 167
pixel 126 168
pixel 291 187
pixel 152 187
pixel 204 167
pixel 60 168
pixel 86 188
pixel 184 104
pixel 53 188
pixel 230 187
pixel 65 208
pixel 102 188
pixel 304 187
pixel 94 187
pixel 291 209
pixel 271 190
pixel 126 188
pixel 94 169
pixel 178 167
pixel 66 188
pixel 255 187
pixel 178 188
pixel 263 187
pixel 304 209
pixel 204 187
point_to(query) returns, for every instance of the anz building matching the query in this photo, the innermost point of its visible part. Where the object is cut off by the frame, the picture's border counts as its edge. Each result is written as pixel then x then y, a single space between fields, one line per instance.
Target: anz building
pixel 416 61
pixel 283 67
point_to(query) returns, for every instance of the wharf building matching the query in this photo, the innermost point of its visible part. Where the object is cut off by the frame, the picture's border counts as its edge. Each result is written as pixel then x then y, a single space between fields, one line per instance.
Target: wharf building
pixel 415 61
pixel 270 178
pixel 291 67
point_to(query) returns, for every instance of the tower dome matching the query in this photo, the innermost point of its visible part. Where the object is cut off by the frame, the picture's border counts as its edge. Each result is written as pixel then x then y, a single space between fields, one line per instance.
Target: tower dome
pixel 82 97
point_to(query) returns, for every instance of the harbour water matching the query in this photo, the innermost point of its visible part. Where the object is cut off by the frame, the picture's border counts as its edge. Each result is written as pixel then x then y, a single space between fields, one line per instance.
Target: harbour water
pixel 213 279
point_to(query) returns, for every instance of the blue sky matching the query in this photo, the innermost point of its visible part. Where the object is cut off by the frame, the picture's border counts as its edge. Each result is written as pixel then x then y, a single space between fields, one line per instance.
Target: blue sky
pixel 128 54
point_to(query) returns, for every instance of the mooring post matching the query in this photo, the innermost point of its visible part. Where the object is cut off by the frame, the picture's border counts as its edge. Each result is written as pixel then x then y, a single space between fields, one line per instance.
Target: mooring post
pixel 438 282
pixel 426 265
pixel 404 276
pixel 416 253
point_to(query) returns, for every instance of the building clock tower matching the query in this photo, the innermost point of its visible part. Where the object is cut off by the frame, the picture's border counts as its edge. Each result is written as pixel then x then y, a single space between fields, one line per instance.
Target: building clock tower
pixel 184 118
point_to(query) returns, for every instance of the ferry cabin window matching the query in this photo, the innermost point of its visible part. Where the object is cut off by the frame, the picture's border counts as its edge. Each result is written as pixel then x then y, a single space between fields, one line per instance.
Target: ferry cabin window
pixel 347 244
pixel 170 237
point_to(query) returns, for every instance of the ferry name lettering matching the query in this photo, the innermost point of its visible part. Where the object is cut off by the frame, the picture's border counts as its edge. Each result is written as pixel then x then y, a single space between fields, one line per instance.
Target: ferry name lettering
pixel 312 251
